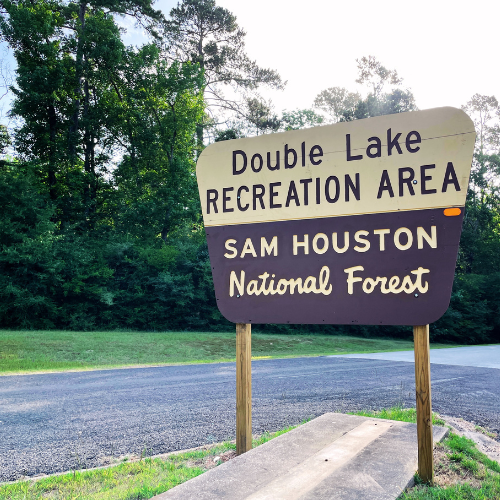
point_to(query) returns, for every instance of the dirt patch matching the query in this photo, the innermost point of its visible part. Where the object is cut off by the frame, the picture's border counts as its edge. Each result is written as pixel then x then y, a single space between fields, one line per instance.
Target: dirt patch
pixel 213 460
pixel 447 473
pixel 487 441
pixel 461 425
pixel 111 460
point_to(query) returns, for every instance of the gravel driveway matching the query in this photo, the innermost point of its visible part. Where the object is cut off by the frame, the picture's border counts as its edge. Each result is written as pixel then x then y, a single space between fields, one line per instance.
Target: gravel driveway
pixel 57 422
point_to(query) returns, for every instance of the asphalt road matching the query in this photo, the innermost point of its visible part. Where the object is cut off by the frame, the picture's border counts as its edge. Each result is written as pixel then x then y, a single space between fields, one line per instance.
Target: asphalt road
pixel 57 422
pixel 482 356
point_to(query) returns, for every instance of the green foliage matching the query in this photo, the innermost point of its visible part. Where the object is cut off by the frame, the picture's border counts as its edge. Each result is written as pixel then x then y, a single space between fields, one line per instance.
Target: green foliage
pixel 464 448
pixel 300 118
pixel 227 135
pixel 104 173
pixel 267 436
pixel 157 110
pixel 27 239
pixel 475 303
pixel 260 117
pixel 489 490
pixel 336 102
pixel 396 101
pixel 48 276
pixel 206 34
pixel 473 313
pixel 100 225
pixel 5 141
pixel 86 100
pixel 341 105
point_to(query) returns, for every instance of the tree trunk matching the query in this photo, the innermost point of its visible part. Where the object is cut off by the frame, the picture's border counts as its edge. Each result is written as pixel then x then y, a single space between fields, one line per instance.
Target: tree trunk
pixel 199 139
pixel 73 131
pixel 166 226
pixel 87 148
pixel 199 126
pixel 52 180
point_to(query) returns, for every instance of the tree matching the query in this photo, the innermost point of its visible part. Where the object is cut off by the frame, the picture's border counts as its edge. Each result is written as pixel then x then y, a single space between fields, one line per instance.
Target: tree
pixel 158 109
pixel 261 119
pixel 86 99
pixel 336 101
pixel 396 101
pixel 202 32
pixel 67 54
pixel 5 141
pixel 299 119
pixel 474 306
pixel 485 113
pixel 372 73
pixel 342 105
pixel 480 242
pixel 228 134
pixel 260 116
pixel 104 162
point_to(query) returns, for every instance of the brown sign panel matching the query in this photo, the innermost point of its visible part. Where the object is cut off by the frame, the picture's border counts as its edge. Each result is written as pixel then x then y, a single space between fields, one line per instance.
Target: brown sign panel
pixel 353 223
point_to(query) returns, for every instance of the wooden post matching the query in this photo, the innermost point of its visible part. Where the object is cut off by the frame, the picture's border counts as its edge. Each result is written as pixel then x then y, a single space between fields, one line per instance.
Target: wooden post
pixel 424 409
pixel 243 388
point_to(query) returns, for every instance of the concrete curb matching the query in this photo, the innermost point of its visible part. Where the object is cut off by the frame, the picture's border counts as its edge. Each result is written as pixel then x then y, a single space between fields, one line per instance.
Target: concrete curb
pixel 38 477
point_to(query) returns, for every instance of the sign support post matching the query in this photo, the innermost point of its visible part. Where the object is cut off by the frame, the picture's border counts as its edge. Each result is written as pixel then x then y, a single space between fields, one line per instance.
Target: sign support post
pixel 424 409
pixel 243 387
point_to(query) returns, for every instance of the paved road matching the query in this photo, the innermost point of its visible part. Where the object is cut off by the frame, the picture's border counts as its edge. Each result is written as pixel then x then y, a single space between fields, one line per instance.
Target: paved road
pixel 483 356
pixel 56 422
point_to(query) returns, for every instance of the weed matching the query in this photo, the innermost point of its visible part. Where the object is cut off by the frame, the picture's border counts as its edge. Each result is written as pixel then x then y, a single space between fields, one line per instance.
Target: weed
pixel 486 432
pixel 130 480
pixel 397 413
pixel 462 473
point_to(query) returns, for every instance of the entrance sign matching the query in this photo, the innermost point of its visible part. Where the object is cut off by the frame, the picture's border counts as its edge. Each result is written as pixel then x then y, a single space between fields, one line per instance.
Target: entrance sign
pixel 352 223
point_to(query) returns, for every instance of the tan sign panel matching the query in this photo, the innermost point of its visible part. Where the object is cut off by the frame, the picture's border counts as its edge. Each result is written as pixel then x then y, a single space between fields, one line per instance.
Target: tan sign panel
pixel 409 161
pixel 352 223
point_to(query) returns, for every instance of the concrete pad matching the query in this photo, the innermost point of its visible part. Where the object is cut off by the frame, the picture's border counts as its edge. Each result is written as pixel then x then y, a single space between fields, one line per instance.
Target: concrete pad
pixel 480 356
pixel 335 456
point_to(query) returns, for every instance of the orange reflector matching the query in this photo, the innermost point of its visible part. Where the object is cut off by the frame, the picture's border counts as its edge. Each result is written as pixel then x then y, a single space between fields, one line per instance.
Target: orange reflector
pixel 452 212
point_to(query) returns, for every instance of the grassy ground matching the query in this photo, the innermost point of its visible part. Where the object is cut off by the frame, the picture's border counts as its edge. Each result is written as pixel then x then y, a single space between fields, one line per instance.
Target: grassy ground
pixel 128 481
pixel 461 472
pixel 28 351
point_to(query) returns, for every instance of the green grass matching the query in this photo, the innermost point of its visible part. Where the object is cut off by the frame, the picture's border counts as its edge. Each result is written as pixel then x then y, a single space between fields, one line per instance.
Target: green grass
pixel 128 481
pixel 28 351
pixel 398 413
pixel 465 461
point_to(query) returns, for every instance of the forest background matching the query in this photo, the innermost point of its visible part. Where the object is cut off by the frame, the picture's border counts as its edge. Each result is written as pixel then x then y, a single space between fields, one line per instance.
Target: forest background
pixel 100 223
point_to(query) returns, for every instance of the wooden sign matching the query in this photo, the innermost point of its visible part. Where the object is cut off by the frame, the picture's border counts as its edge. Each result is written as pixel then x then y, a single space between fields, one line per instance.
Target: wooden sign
pixel 352 223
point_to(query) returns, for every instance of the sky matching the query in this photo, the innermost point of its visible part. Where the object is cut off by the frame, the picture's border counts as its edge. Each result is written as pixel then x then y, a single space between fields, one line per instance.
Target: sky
pixel 445 51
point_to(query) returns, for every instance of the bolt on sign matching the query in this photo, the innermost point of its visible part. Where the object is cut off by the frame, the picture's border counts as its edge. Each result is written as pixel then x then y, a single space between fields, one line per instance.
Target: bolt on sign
pixel 351 223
